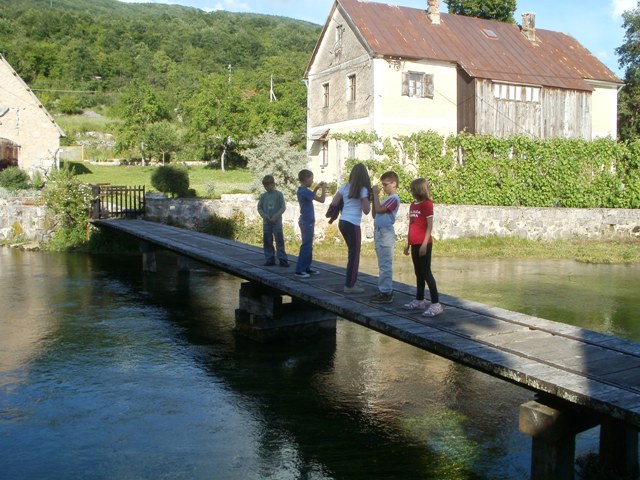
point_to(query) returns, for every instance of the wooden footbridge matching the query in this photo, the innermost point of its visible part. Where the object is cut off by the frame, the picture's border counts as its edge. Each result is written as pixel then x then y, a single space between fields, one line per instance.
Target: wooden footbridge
pixel 581 378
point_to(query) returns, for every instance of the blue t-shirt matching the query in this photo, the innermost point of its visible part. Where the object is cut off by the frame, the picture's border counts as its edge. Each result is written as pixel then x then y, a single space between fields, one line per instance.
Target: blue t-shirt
pixel 388 217
pixel 305 199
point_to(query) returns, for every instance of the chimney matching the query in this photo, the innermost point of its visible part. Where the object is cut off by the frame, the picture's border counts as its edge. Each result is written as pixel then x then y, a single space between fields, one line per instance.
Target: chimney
pixel 529 26
pixel 433 11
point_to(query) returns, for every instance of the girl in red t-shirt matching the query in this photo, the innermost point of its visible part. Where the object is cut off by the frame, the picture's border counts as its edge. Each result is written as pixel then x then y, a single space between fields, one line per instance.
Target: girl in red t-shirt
pixel 419 241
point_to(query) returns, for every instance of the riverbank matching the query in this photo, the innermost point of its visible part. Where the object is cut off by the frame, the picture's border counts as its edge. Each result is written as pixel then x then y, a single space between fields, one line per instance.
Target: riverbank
pixel 585 251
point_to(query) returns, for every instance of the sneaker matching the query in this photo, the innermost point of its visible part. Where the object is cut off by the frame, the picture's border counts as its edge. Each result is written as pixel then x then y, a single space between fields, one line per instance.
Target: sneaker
pixel 284 263
pixel 313 271
pixel 415 305
pixel 302 275
pixel 382 298
pixel 269 263
pixel 433 310
pixel 354 289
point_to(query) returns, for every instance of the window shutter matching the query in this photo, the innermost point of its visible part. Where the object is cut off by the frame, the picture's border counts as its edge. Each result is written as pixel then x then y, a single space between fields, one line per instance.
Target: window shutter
pixel 405 83
pixel 427 86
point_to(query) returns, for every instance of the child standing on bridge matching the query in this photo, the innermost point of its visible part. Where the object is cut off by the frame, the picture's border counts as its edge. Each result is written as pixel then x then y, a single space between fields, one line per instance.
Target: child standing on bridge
pixel 307 220
pixel 271 206
pixel 419 241
pixel 384 235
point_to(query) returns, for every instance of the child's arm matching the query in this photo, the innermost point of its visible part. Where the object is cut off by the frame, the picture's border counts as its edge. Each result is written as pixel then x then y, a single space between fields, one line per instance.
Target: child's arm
pixel 427 236
pixel 261 211
pixel 365 204
pixel 377 207
pixel 323 187
pixel 282 206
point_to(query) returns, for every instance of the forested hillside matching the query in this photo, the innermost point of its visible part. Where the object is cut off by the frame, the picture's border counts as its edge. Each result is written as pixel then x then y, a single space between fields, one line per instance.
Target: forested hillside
pixel 202 77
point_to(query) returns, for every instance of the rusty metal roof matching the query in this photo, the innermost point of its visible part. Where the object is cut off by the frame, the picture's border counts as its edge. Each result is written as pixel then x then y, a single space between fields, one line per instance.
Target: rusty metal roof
pixel 483 48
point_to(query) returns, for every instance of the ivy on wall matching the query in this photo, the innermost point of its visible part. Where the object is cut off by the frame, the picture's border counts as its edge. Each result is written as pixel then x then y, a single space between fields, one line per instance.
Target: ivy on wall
pixel 469 169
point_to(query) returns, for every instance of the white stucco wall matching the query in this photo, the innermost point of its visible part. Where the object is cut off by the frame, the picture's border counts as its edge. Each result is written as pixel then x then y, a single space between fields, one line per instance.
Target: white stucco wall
pixel 604 101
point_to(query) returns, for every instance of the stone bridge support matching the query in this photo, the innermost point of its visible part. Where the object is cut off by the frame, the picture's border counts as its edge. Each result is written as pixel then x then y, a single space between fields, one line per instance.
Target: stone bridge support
pixel 264 315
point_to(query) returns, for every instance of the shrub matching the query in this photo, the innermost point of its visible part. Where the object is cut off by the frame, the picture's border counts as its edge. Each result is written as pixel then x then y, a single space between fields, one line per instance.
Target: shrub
pixel 13 179
pixel 68 202
pixel 171 179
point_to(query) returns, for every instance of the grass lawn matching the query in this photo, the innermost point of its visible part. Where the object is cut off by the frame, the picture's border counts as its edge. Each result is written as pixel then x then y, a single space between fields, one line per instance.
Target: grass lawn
pixel 208 182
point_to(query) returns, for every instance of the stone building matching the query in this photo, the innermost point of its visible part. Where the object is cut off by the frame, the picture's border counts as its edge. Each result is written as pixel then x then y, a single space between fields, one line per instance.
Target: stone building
pixel 29 136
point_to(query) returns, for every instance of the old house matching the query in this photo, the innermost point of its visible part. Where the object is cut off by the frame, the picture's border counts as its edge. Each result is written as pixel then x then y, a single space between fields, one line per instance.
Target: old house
pixel 395 71
pixel 29 136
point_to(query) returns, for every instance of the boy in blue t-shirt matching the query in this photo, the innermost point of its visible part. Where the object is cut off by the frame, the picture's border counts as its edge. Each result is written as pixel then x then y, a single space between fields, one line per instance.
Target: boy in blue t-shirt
pixel 384 235
pixel 307 220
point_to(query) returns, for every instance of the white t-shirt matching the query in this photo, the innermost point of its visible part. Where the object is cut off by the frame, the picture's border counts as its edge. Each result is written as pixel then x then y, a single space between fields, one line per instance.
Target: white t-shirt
pixel 352 210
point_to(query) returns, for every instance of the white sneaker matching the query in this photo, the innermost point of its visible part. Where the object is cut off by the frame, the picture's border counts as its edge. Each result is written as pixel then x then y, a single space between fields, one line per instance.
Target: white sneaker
pixel 433 310
pixel 415 305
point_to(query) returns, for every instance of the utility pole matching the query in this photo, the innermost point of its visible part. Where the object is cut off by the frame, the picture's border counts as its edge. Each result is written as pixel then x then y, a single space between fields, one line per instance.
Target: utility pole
pixel 229 69
pixel 272 95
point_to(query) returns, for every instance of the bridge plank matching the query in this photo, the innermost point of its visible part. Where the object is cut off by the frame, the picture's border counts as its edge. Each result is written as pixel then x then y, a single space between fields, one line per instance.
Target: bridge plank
pixel 590 369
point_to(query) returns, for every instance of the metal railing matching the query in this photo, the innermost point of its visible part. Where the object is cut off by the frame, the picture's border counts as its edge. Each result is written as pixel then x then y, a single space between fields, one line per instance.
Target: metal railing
pixel 118 201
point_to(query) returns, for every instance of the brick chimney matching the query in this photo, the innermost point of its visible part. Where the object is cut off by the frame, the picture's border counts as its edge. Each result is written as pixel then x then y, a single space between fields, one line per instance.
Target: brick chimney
pixel 433 11
pixel 529 26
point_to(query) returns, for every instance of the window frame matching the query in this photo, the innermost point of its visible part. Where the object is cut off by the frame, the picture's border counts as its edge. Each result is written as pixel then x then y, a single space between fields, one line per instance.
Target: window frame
pixel 351 88
pixel 417 84
pixel 325 95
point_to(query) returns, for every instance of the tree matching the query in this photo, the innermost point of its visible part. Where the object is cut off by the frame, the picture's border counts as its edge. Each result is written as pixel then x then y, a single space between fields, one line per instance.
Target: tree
pixel 216 116
pixel 274 155
pixel 139 108
pixel 160 139
pixel 501 10
pixel 629 97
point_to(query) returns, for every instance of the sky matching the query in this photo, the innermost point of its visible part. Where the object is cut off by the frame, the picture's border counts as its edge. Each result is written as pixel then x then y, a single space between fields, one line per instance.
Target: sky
pixel 596 24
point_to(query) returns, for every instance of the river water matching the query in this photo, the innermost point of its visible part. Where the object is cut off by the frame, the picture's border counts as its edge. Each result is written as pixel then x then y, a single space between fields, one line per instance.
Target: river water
pixel 106 373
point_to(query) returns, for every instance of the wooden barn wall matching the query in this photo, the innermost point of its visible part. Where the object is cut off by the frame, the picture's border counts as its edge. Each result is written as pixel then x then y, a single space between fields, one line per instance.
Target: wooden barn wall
pixel 560 113
pixel 466 103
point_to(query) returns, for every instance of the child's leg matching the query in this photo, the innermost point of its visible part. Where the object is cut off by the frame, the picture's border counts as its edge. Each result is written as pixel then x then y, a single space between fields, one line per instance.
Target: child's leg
pixel 267 242
pixel 429 278
pixel 385 239
pixel 279 236
pixel 419 269
pixel 351 234
pixel 306 248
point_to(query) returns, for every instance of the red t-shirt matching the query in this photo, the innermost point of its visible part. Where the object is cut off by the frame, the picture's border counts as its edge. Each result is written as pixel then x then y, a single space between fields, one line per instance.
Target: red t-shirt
pixel 418 214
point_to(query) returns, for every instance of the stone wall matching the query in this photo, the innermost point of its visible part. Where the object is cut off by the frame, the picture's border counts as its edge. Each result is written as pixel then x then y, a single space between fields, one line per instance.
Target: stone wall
pixel 451 221
pixel 21 216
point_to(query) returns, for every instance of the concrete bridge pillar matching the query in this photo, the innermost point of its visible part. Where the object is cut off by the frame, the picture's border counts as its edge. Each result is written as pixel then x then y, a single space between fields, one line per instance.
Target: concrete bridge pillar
pixel 553 428
pixel 264 315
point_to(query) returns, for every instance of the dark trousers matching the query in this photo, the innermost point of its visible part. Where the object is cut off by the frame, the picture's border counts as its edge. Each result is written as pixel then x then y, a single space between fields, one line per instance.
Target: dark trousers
pixel 422 268
pixel 352 237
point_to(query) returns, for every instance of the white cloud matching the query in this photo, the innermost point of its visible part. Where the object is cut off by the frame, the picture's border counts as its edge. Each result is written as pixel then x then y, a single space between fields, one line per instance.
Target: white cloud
pixel 621 6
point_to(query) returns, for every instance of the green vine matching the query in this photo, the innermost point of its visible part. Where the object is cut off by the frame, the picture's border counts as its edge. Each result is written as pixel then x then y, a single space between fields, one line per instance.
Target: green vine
pixel 470 169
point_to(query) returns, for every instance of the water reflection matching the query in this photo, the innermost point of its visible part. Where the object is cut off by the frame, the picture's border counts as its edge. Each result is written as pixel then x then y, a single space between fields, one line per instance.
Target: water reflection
pixel 124 375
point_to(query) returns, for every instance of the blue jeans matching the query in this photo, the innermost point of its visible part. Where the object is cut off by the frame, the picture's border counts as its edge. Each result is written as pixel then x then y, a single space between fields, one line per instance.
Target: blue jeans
pixel 271 231
pixel 306 247
pixel 385 241
pixel 351 234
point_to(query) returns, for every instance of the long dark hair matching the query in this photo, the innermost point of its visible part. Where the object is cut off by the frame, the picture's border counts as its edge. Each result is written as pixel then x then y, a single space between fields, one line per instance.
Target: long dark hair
pixel 358 178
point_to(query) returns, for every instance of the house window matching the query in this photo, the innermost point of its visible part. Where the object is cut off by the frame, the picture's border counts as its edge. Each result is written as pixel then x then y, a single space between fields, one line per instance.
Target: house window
pixel 351 150
pixel 516 93
pixel 325 95
pixel 417 84
pixel 324 154
pixel 337 48
pixel 351 88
